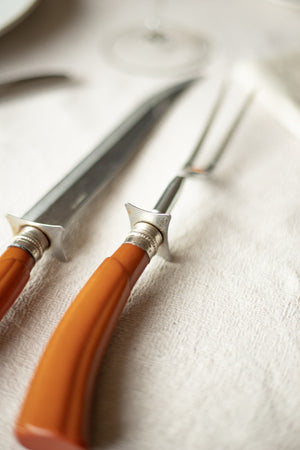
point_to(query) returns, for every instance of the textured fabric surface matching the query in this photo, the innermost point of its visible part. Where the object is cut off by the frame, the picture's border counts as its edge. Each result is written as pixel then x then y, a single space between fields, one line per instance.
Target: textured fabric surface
pixel 206 353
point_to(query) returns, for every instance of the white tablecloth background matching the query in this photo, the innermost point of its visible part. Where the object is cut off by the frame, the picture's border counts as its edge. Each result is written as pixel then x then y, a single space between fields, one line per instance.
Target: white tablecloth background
pixel 206 354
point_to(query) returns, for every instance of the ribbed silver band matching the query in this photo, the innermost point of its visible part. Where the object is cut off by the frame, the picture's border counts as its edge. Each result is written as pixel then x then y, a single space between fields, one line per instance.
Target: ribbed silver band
pixel 145 236
pixel 33 240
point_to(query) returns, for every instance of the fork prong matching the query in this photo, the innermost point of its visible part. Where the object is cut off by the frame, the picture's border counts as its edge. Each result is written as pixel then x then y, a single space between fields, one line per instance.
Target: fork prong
pixel 230 132
pixel 168 197
pixel 215 109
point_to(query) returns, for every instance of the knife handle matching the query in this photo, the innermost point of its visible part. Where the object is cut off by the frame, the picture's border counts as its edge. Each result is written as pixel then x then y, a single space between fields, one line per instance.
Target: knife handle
pixel 55 411
pixel 15 267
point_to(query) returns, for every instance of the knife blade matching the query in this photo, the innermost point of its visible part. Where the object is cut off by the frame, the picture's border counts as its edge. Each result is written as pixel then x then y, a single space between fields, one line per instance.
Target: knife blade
pixel 43 226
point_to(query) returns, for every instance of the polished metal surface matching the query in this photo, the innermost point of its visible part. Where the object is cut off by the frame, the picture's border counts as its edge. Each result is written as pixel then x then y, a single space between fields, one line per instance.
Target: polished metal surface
pixel 145 236
pixel 159 220
pixel 54 233
pixel 32 240
pixel 55 210
pixel 59 205
pixel 168 197
pixel 159 216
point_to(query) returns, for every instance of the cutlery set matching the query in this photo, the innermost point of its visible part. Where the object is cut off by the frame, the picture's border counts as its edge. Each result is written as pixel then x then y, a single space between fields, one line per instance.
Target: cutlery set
pixel 55 413
pixel 44 224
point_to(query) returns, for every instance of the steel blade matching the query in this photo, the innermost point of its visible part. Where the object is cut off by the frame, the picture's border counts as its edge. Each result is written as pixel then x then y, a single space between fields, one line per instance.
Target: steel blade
pixel 93 173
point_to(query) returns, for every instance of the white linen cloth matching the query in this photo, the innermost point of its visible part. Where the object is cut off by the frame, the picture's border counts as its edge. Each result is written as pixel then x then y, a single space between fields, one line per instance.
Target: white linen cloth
pixel 206 354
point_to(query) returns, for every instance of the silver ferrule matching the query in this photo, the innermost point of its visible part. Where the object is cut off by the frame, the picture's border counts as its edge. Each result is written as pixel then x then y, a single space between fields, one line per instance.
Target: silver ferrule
pixel 145 236
pixel 32 240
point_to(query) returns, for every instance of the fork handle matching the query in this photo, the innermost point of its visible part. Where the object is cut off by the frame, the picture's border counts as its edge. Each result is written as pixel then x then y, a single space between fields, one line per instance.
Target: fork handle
pixel 55 411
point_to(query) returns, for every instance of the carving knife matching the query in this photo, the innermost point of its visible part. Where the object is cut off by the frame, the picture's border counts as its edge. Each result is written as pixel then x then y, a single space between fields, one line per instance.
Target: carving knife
pixel 55 410
pixel 43 226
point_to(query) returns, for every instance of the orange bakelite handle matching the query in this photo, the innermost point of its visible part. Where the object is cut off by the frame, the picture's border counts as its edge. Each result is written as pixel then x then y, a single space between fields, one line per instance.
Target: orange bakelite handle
pixel 15 267
pixel 55 411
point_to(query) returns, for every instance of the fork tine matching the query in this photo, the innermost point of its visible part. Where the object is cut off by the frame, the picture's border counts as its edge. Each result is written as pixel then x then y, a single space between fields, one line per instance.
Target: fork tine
pixel 168 197
pixel 208 125
pixel 221 148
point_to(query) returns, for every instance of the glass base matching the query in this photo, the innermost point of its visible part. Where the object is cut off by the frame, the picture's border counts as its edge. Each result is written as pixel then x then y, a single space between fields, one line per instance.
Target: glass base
pixel 171 52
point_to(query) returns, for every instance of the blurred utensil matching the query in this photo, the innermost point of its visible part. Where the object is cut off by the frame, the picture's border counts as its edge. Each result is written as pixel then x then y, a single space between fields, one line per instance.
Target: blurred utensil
pixel 29 81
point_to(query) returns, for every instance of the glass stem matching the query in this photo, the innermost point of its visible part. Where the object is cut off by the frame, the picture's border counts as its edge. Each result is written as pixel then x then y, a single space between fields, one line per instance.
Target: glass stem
pixel 153 21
